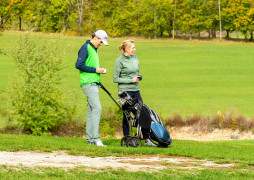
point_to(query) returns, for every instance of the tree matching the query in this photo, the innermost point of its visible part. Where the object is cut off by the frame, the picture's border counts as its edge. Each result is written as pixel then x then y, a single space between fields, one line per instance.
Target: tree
pixel 36 98
pixel 190 20
pixel 165 16
pixel 5 13
pixel 240 16
pixel 18 8
pixel 149 18
pixel 220 19
pixel 227 17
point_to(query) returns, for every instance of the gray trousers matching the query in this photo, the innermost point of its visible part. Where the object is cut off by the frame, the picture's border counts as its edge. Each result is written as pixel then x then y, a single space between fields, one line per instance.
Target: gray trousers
pixel 93 111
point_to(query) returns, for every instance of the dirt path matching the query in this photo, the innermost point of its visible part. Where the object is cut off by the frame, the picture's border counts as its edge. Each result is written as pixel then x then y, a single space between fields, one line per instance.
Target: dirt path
pixel 131 163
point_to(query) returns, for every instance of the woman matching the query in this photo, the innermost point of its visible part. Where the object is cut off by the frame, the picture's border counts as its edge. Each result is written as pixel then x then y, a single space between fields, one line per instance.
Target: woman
pixel 126 74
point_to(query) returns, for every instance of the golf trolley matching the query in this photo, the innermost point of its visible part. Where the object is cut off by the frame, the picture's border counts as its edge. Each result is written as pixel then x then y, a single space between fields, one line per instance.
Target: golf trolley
pixel 144 117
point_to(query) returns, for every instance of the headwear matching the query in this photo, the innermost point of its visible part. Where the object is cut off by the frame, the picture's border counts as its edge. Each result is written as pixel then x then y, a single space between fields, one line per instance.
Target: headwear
pixel 102 35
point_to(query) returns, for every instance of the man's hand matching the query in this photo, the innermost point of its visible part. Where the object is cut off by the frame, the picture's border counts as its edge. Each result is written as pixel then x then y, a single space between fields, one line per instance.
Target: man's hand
pixel 99 70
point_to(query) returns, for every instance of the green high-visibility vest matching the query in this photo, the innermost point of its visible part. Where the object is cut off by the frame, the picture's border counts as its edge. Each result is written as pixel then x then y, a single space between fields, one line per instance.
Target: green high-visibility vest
pixel 93 61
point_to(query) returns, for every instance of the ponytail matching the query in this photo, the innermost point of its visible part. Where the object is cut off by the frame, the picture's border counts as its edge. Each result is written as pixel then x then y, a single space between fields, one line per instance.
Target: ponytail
pixel 125 44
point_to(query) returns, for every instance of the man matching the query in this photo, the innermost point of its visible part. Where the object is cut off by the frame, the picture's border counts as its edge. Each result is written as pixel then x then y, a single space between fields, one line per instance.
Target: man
pixel 88 64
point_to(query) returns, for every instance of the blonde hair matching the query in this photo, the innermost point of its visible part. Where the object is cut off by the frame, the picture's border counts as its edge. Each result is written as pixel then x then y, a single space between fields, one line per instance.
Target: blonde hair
pixel 125 44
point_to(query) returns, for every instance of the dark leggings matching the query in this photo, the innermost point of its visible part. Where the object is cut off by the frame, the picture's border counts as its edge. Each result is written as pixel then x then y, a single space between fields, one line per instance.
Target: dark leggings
pixel 126 128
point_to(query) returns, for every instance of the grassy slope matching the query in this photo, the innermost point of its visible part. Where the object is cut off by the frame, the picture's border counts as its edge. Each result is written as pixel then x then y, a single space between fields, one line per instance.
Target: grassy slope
pixel 203 77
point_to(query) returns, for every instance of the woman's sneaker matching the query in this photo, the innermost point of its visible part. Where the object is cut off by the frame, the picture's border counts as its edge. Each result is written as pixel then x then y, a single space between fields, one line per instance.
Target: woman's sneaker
pixel 150 143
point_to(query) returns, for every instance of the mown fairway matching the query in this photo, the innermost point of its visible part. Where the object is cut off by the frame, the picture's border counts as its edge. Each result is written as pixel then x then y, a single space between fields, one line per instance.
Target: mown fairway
pixel 199 76
pixel 238 153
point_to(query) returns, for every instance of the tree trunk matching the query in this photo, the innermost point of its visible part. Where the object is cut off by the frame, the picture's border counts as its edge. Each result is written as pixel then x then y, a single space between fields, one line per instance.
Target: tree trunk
pixel 174 21
pixel 66 20
pixel 169 33
pixel 214 33
pixel 161 31
pixel 227 34
pixel 80 8
pixel 1 23
pixel 199 33
pixel 190 33
pixel 155 22
pixel 20 21
pixel 251 36
pixel 220 22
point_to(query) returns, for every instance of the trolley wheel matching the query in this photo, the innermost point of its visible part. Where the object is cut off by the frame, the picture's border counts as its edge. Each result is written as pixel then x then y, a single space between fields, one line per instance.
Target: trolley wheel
pixel 124 140
pixel 133 142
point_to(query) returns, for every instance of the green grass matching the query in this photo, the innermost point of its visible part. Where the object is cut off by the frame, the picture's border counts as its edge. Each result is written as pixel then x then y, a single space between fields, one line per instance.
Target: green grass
pixel 203 77
pixel 81 173
pixel 239 152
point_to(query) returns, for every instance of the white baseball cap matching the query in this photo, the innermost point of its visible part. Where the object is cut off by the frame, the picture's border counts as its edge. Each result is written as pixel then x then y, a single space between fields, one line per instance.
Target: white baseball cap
pixel 103 36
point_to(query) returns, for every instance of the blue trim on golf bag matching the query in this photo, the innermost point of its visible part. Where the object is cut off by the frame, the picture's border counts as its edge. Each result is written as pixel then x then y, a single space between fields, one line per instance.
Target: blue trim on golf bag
pixel 158 131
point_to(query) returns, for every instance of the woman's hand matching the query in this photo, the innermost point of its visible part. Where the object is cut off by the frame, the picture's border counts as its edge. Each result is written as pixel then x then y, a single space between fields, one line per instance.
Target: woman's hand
pixel 136 79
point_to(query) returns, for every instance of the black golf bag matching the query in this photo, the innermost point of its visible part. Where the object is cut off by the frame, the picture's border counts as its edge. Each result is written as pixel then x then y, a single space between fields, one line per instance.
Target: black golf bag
pixel 144 117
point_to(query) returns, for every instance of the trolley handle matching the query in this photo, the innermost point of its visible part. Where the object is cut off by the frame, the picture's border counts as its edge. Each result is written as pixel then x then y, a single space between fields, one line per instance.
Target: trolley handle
pixel 102 87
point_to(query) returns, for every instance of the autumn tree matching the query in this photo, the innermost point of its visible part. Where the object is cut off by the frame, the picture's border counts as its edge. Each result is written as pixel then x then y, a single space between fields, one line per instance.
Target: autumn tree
pixel 149 18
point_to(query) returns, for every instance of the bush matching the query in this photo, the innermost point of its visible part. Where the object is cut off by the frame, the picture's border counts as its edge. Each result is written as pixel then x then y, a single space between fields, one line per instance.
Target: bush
pixel 221 121
pixel 4 113
pixel 110 125
pixel 1 100
pixel 111 122
pixel 36 98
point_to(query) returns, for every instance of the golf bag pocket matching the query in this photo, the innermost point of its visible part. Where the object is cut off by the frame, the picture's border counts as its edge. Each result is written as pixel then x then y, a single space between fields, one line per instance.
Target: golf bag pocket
pixel 160 134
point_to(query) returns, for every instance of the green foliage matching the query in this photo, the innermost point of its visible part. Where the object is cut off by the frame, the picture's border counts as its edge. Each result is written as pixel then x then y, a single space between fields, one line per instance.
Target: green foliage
pixel 4 113
pixel 35 95
pixel 147 18
pixel 1 28
pixel 239 15
pixel 111 122
pixel 1 100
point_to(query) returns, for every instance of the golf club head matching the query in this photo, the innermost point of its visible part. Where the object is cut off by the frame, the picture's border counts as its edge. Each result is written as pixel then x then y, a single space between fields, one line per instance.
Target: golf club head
pixel 122 94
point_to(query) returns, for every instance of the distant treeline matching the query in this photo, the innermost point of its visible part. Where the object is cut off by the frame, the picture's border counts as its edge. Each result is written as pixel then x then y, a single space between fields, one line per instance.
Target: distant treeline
pixel 148 18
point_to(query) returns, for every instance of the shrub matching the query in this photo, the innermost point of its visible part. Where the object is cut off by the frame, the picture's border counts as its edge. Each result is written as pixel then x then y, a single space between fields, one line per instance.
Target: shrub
pixel 110 124
pixel 70 129
pixel 221 121
pixel 111 121
pixel 177 121
pixel 1 100
pixel 36 98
